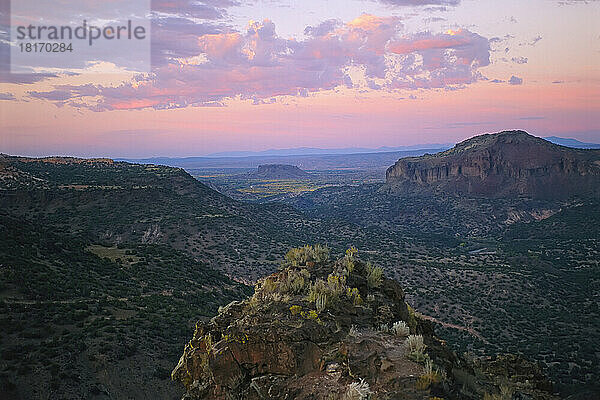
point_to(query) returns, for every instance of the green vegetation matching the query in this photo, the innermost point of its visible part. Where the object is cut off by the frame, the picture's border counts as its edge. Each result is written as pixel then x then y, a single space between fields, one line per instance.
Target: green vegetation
pixel 500 275
pixel 63 307
pixel 327 292
pixel 415 348
pixel 236 183
pixel 138 246
pixel 374 276
pixel 400 328
pixel 295 281
pixel 306 255
pixel 295 309
pixel 430 376
pixel 357 391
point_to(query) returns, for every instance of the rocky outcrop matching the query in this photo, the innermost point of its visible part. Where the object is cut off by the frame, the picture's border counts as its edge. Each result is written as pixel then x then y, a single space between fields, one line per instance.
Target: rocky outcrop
pixel 279 171
pixel 336 330
pixel 505 164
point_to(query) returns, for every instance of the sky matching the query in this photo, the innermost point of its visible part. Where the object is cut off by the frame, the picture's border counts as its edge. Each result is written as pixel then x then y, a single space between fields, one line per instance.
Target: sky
pixel 252 75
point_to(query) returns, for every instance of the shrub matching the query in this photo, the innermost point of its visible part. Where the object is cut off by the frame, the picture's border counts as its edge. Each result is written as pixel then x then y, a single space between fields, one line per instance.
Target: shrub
pixel 294 281
pixel 289 282
pixel 329 291
pixel 312 314
pixel 349 264
pixel 320 253
pixel 295 309
pixel 315 289
pixel 264 290
pixel 269 285
pixel 321 302
pixel 297 256
pixel 430 376
pixel 307 254
pixel 358 391
pixel 415 343
pixel 349 259
pixel 374 276
pixel 236 381
pixel 400 328
pixel 337 284
pixel 505 394
pixel 351 252
pixel 412 319
pixel 415 347
pixel 280 298
pixel 354 295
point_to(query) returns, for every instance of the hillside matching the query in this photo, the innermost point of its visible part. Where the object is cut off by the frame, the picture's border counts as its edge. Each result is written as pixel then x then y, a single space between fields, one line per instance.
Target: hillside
pixel 471 265
pixel 505 164
pixel 85 320
pixel 321 329
pixel 104 267
pixel 496 274
pixel 118 202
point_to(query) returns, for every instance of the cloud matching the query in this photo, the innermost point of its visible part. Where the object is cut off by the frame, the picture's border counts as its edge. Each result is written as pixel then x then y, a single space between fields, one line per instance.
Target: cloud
pixel 213 63
pixel 202 9
pixel 55 95
pixel 573 2
pixel 531 118
pixel 176 26
pixel 519 60
pixel 450 58
pixel 434 19
pixel 5 75
pixel 463 124
pixel 175 37
pixel 532 42
pixel 422 2
pixel 323 28
pixel 515 80
pixel 535 40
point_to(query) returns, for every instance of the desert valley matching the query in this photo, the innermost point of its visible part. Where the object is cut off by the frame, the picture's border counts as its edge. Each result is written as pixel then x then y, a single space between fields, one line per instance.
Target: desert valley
pixel 107 267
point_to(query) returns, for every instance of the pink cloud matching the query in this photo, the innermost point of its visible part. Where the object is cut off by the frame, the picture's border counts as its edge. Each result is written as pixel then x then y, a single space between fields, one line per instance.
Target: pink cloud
pixel 421 2
pixel 467 47
pixel 258 64
pixel 204 9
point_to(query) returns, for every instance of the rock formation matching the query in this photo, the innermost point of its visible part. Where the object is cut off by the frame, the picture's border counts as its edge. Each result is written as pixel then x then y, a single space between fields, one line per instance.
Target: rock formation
pixel 505 164
pixel 279 171
pixel 337 330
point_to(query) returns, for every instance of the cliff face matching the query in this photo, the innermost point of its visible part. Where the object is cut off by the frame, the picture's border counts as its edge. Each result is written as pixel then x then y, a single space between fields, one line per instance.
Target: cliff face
pixel 505 164
pixel 337 330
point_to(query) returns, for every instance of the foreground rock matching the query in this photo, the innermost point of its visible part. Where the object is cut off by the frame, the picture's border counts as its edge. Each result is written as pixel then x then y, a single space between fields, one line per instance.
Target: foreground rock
pixel 505 164
pixel 337 330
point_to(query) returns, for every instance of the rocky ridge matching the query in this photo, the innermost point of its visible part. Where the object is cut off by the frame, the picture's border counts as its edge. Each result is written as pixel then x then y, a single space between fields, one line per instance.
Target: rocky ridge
pixel 505 164
pixel 279 171
pixel 322 329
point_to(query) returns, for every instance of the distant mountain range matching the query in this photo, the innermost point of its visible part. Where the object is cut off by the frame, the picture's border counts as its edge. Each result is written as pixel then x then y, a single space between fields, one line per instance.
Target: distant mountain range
pixel 310 157
pixel 574 143
pixel 304 151
pixel 370 161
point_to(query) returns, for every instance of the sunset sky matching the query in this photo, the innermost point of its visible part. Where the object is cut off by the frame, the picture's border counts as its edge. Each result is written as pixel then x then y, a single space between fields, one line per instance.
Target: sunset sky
pixel 255 75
